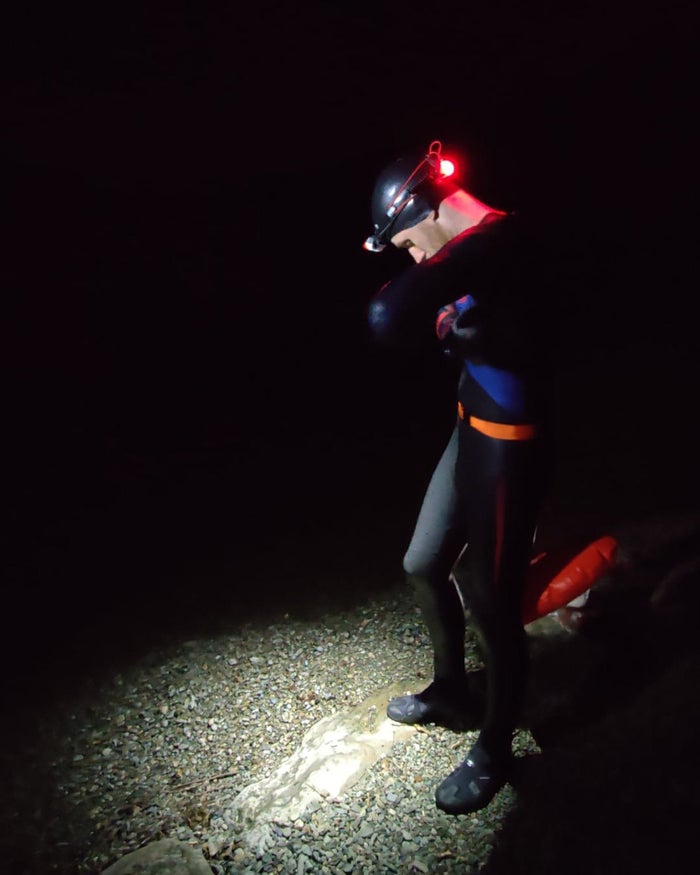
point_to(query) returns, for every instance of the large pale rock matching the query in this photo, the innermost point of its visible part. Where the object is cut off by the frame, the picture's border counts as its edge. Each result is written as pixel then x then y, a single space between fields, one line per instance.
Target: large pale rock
pixel 164 857
pixel 333 755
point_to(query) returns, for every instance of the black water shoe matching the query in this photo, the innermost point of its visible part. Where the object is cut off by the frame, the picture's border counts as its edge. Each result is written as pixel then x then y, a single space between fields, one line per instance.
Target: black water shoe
pixel 445 703
pixel 473 784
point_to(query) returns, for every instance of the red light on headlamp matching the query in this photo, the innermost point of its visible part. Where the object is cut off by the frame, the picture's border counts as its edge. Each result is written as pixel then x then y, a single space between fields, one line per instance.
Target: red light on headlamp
pixel 442 168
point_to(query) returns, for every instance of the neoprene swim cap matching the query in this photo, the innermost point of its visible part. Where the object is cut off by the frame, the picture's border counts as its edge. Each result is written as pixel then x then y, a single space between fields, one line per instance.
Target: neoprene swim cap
pixel 407 191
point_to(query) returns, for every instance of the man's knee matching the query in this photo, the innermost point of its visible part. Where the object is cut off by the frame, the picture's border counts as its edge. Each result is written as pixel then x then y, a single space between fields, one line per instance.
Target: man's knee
pixel 418 566
pixel 411 562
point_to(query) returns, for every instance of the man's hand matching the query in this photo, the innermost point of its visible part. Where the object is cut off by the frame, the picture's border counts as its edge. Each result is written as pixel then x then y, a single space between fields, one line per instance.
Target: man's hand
pixel 447 315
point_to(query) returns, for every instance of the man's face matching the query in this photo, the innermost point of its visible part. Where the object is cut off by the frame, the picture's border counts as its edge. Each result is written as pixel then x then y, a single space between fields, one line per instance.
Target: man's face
pixel 422 240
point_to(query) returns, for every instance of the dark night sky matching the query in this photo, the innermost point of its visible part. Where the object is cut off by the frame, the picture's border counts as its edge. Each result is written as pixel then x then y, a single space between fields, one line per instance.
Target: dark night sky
pixel 191 386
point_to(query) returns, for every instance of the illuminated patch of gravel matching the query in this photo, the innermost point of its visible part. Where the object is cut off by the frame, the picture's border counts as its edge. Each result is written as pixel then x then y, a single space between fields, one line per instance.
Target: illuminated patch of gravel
pixel 163 749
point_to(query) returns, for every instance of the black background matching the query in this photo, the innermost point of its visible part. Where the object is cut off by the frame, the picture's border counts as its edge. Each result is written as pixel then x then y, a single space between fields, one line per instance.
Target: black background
pixel 197 425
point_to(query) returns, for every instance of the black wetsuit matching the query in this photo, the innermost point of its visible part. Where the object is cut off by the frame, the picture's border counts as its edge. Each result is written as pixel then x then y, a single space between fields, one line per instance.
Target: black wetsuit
pixel 485 296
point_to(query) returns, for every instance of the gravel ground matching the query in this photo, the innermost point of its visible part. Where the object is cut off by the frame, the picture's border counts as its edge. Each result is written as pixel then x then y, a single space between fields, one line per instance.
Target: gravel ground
pixel 162 745
pixel 162 749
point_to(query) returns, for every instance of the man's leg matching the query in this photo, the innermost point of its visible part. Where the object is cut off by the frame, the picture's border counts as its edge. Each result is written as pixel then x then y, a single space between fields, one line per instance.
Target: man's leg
pixel 501 508
pixel 437 539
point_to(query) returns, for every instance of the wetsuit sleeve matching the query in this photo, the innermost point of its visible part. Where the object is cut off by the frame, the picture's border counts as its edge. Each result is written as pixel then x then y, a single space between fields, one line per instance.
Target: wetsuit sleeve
pixel 404 310
pixel 396 319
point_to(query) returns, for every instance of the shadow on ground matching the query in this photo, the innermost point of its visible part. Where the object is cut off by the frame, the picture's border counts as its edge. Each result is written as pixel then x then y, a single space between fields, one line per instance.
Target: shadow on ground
pixel 615 710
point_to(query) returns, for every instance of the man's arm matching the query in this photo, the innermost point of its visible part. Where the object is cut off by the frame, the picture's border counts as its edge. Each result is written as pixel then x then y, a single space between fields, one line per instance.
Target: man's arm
pixel 403 312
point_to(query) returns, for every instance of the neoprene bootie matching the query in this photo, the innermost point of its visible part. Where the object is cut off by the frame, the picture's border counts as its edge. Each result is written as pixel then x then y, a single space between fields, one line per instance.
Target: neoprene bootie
pixel 449 703
pixel 474 783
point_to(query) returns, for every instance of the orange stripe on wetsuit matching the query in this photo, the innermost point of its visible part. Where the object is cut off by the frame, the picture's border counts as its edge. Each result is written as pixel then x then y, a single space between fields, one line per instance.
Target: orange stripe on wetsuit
pixel 502 430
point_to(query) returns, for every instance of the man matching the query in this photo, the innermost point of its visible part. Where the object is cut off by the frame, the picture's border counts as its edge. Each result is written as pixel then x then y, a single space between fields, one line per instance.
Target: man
pixel 479 289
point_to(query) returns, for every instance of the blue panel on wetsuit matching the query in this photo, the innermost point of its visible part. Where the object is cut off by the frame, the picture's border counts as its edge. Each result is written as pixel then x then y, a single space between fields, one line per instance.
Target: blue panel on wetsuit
pixel 506 388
